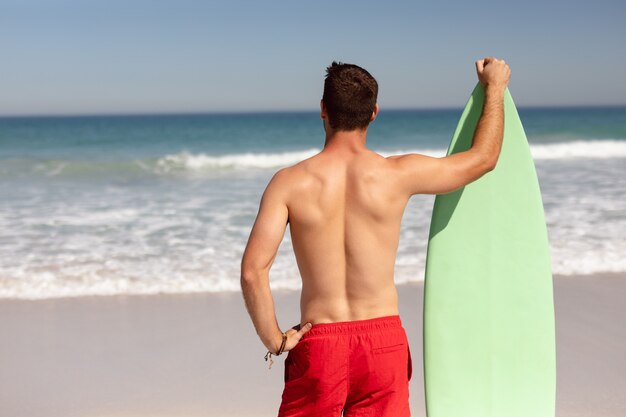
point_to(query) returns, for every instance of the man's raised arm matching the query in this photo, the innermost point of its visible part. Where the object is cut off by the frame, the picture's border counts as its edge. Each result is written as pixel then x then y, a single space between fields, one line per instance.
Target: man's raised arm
pixel 421 174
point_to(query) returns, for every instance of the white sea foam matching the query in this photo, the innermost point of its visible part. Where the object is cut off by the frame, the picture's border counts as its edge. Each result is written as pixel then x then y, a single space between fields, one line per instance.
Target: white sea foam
pixel 583 149
pixel 189 161
pixel 595 149
pixel 194 244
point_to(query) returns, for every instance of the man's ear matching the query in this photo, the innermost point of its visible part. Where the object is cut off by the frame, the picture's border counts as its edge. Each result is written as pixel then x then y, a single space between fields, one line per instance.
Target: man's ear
pixel 374 113
pixel 323 113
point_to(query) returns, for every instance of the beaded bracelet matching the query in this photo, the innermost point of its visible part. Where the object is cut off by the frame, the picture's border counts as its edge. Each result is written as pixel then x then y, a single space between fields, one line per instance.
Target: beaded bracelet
pixel 280 350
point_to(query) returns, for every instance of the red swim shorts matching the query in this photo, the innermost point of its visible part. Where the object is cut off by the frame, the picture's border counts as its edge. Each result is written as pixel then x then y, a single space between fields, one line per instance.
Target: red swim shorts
pixel 361 368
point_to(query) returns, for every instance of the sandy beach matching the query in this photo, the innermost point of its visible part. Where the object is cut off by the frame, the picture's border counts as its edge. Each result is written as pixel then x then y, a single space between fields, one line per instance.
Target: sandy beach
pixel 198 355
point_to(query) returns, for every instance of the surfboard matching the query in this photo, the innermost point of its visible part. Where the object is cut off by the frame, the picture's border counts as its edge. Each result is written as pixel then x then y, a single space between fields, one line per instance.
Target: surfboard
pixel 489 336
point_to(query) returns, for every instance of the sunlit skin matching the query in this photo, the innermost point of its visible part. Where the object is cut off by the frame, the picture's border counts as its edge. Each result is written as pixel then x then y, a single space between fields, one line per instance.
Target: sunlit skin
pixel 344 209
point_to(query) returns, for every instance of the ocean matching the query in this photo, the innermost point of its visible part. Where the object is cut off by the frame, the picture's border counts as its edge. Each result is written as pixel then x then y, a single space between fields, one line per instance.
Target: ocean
pixel 99 205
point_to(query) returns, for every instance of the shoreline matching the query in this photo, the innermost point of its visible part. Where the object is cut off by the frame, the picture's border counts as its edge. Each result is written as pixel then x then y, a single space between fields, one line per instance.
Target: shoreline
pixel 193 354
pixel 282 291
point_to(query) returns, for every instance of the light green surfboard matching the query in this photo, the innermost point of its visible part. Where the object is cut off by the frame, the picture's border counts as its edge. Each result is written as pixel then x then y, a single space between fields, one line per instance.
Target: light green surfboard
pixel 489 337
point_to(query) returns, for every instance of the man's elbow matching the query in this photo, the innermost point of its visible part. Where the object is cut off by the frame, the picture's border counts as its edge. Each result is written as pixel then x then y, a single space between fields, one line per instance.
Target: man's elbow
pixel 476 171
pixel 247 281
pixel 477 163
pixel 250 275
pixel 490 166
pixel 487 164
pixel 247 276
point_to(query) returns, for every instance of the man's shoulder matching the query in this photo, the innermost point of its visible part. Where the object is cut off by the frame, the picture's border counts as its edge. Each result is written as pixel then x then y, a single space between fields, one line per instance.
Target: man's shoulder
pixel 288 172
pixel 299 169
pixel 286 177
pixel 408 159
pixel 296 179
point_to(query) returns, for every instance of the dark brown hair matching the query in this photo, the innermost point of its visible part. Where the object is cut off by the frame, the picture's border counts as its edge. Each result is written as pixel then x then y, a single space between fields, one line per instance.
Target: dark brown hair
pixel 350 94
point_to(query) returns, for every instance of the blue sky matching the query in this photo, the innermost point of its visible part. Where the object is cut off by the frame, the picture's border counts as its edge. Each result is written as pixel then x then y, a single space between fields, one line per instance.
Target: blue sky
pixel 68 57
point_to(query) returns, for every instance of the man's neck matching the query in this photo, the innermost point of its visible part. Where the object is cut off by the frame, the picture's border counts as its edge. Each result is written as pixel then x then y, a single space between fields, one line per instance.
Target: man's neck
pixel 341 141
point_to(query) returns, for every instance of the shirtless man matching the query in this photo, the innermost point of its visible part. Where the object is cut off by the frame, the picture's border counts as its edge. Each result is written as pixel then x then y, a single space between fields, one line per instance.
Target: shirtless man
pixel 344 206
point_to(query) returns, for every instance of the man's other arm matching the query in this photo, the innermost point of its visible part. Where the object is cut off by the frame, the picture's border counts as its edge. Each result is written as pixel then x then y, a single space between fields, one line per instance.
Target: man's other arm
pixel 258 257
pixel 263 243
pixel 421 174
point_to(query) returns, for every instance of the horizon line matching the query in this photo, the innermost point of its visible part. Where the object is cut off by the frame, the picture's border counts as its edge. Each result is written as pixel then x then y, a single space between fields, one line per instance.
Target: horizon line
pixel 282 111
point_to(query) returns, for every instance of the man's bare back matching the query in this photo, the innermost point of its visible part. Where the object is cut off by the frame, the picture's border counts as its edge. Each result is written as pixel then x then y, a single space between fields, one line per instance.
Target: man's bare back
pixel 344 207
pixel 345 211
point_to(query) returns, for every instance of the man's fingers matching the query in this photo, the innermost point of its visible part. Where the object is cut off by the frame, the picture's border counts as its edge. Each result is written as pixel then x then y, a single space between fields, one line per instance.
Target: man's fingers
pixel 489 60
pixel 304 329
pixel 294 335
pixel 480 65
